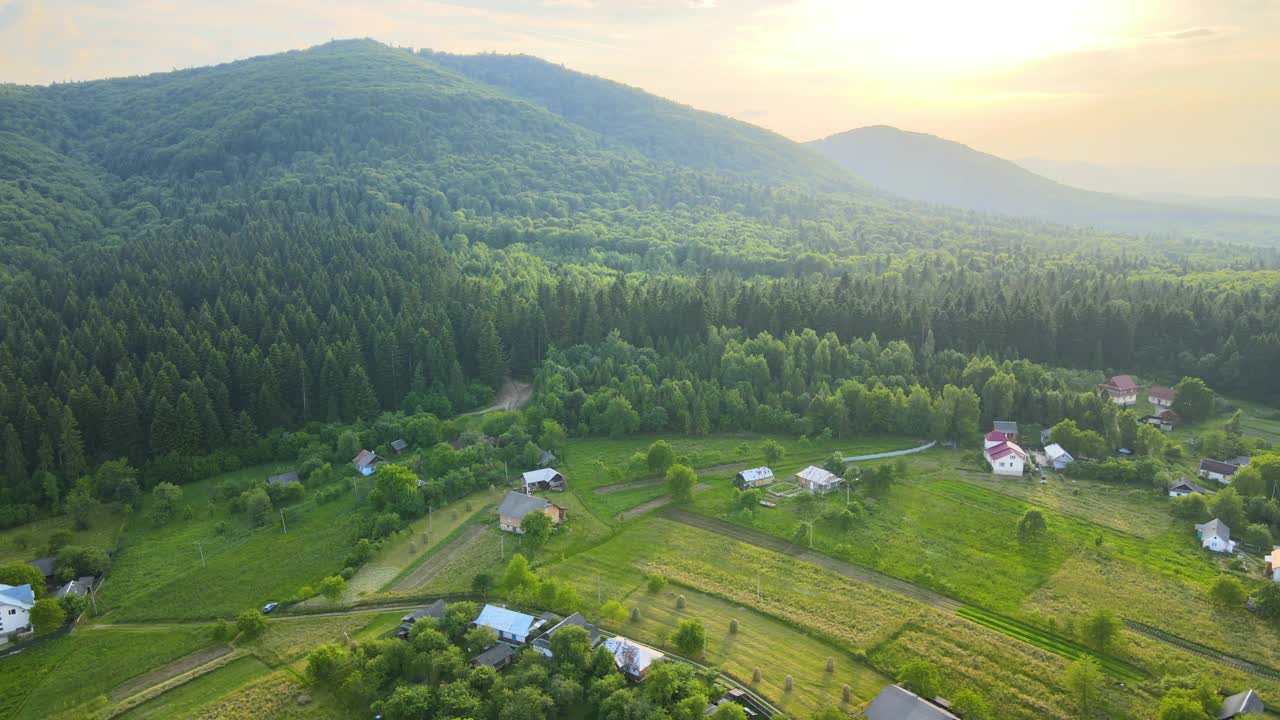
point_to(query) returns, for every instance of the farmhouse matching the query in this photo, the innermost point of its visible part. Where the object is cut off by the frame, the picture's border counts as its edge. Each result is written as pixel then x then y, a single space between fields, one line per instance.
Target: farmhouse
pixel 366 462
pixel 1008 427
pixel 1216 536
pixel 398 446
pixel 80 587
pixel 543 643
pixel 1241 704
pixel 633 659
pixel 818 481
pixel 288 478
pixel 1217 470
pixel 1163 421
pixel 1273 565
pixel 1161 397
pixel 993 438
pixel 513 628
pixel 15 609
pixel 542 479
pixel 897 703
pixel 434 610
pixel 1006 458
pixel 753 478
pixel 1184 487
pixel 516 505
pixel 1121 389
pixel 1058 456
pixel 496 657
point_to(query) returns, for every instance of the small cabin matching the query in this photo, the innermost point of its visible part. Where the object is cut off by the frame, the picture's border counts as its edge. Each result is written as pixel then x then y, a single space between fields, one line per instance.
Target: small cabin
pixel 753 478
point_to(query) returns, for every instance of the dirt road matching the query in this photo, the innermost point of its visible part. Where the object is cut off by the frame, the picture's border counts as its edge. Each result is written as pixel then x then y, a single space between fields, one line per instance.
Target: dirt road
pixel 427 570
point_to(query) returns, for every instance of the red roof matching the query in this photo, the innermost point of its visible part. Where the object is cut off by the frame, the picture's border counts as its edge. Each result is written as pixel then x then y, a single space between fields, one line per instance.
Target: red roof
pixel 996 436
pixel 1161 393
pixel 1122 383
pixel 1005 448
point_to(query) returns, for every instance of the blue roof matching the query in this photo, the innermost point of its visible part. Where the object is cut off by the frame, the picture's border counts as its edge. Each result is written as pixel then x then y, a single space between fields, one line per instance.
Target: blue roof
pixel 507 621
pixel 21 596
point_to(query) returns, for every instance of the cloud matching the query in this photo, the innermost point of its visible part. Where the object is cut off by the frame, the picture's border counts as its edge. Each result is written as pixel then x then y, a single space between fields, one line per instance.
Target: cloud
pixel 1187 34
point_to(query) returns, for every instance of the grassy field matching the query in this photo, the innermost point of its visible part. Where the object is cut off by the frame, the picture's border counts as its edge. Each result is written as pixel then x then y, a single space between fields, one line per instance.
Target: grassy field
pixel 158 572
pixel 74 669
pixel 185 700
pixel 30 541
pixel 279 696
pixel 839 613
pixel 960 537
pixel 580 468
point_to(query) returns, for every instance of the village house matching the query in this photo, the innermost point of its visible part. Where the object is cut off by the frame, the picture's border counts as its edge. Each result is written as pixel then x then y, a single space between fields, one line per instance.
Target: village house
pixel 1058 456
pixel 1273 565
pixel 993 438
pixel 1216 536
pixel 15 609
pixel 1161 397
pixel 542 479
pixel 751 707
pixel 1121 390
pixel 496 657
pixel 434 610
pixel 753 478
pixel 632 658
pixel 898 703
pixel 1217 470
pixel 1006 458
pixel 543 643
pixel 1241 704
pixel 1008 427
pixel 1163 421
pixel 398 446
pixel 513 628
pixel 289 478
pixel 516 505
pixel 366 462
pixel 81 586
pixel 1184 487
pixel 818 481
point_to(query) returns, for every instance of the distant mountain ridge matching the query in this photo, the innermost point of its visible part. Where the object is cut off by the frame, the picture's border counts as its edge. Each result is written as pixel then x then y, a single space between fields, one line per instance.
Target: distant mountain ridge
pixel 931 169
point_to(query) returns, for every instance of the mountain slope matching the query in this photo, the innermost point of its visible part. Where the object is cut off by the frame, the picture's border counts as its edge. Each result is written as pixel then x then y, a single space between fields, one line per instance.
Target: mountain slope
pixel 934 170
pixel 655 127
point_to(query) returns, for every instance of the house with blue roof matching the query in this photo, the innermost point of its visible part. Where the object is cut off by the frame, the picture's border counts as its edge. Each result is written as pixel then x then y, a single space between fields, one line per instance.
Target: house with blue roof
pixel 513 628
pixel 15 609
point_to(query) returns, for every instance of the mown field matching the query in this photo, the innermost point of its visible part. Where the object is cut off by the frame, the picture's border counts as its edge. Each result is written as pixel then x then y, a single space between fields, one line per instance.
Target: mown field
pixel 864 623
pixel 158 572
pixel 74 669
pixel 959 537
pixel 31 541
pixel 185 700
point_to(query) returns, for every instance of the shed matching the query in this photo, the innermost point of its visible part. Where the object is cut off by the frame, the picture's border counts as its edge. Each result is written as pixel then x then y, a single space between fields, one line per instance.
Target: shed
pixel 496 657
pixel 1216 536
pixel 1245 703
pixel 434 610
pixel 1217 470
pixel 513 628
pixel 399 445
pixel 81 586
pixel 547 458
pixel 542 479
pixel 1058 456
pixel 753 477
pixel 289 478
pixel 44 565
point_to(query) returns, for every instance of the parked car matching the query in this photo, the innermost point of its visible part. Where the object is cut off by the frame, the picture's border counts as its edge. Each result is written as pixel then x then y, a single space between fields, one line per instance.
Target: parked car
pixel 266 609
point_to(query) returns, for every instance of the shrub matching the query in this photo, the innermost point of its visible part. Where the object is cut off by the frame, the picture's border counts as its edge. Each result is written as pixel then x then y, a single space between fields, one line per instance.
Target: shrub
pixel 689 636
pixel 655 583
pixel 251 624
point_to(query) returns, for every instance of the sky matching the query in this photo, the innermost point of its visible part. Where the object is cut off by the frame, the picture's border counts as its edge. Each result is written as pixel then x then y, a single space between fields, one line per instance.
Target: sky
pixel 1178 92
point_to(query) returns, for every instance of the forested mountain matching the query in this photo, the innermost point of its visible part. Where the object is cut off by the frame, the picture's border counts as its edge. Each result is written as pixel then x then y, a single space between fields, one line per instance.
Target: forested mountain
pixel 189 260
pixel 931 169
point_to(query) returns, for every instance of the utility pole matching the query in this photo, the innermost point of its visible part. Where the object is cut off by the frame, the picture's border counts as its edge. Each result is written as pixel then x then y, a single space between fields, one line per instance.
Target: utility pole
pixel 810 534
pixel 283 527
pixel 502 547
pixel 431 524
pixel 597 589
pixel 93 596
pixel 202 562
pixel 759 597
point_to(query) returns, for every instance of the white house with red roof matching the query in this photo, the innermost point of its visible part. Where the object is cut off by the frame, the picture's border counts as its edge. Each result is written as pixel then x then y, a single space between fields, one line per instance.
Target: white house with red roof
pixel 1161 397
pixel 1005 457
pixel 1121 389
pixel 993 438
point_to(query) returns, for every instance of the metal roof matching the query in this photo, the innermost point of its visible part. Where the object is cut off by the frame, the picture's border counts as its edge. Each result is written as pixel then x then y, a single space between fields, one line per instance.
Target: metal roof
pixel 895 703
pixel 545 475
pixel 1241 703
pixel 21 596
pixel 818 476
pixel 756 474
pixel 631 657
pixel 1056 451
pixel 494 656
pixel 1008 427
pixel 517 505
pixel 288 478
pixel 1215 527
pixel 502 620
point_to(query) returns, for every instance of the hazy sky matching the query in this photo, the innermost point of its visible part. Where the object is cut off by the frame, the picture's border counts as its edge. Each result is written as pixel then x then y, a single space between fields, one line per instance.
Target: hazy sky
pixel 1180 86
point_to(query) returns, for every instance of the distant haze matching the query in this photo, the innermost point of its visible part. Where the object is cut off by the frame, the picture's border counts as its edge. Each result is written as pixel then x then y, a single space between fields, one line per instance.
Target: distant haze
pixel 1209 182
pixel 1185 87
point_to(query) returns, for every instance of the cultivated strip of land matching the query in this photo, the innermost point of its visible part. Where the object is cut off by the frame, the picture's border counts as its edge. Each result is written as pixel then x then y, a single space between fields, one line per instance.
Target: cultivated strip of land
pixel 422 574
pixel 164 673
pixel 655 503
pixel 1203 651
pixel 634 484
